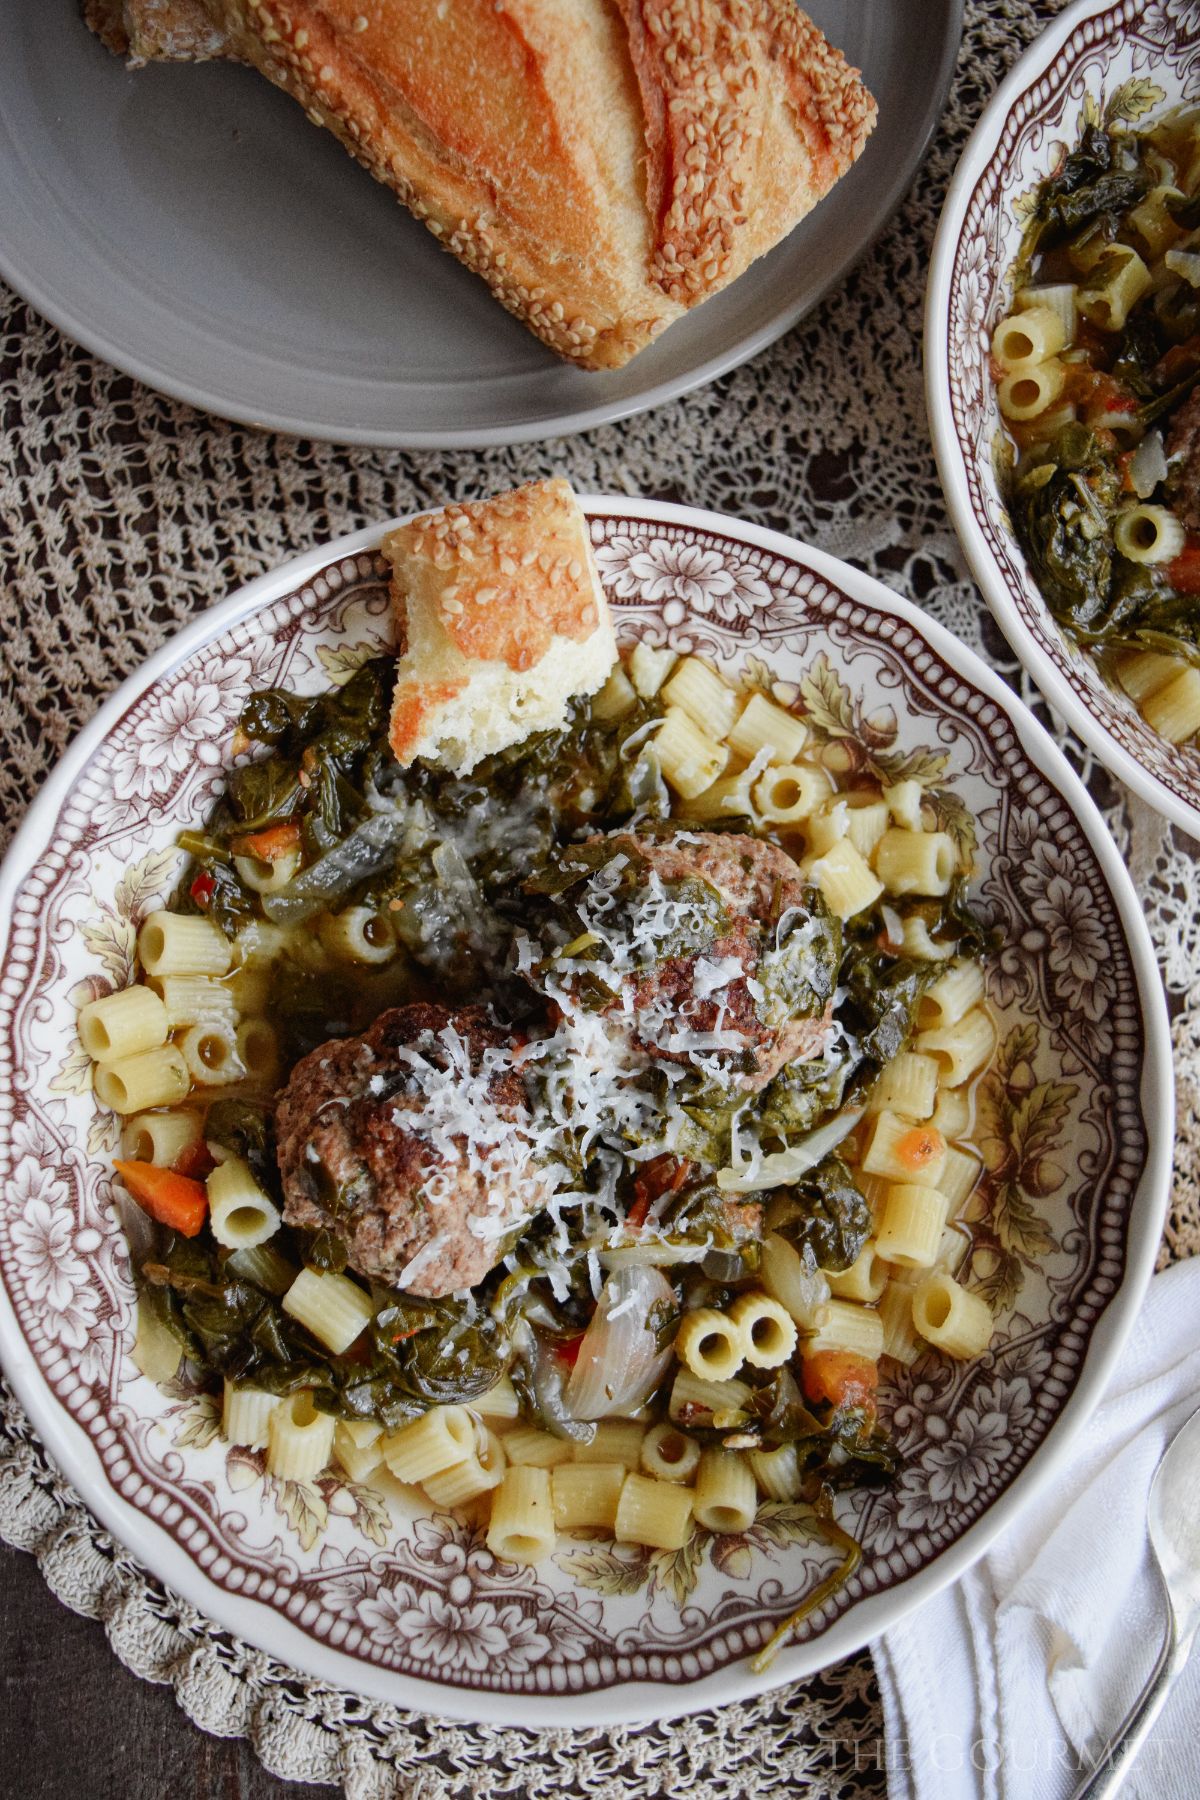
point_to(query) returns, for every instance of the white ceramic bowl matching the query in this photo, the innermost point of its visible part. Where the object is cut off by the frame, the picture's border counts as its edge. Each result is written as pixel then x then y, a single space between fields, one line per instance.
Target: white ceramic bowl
pixel 353 1587
pixel 1147 51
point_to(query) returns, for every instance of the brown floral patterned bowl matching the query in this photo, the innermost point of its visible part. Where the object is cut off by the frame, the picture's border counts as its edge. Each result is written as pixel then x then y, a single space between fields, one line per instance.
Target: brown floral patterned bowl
pixel 1123 62
pixel 343 1579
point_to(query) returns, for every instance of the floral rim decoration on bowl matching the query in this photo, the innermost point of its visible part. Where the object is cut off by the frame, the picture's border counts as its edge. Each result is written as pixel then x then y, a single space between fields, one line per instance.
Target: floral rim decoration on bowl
pixel 1073 1119
pixel 1119 63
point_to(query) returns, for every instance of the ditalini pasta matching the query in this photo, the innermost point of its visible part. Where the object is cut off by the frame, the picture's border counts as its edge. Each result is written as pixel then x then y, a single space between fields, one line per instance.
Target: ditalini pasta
pixel 655 1513
pixel 586 1495
pixel 122 1024
pixel 726 1500
pixel 622 1243
pixel 242 1215
pixel 299 1439
pixel 151 1078
pixel 522 1524
pixel 668 1455
pixel 171 944
pixel 950 1318
pixel 335 1309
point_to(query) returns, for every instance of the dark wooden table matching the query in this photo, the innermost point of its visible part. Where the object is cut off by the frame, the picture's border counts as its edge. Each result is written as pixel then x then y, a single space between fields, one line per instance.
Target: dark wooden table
pixel 76 1725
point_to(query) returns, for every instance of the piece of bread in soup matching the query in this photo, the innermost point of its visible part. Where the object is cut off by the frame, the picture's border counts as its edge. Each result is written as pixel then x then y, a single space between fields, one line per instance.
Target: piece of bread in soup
pixel 501 621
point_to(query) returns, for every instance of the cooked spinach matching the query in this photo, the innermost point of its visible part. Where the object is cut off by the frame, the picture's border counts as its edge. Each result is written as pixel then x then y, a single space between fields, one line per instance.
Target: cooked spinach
pixel 823 1215
pixel 798 972
pixel 1092 185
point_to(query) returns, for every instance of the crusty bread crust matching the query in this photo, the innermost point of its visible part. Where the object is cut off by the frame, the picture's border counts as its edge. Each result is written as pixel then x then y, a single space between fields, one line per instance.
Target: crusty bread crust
pixel 603 164
pixel 156 30
pixel 500 618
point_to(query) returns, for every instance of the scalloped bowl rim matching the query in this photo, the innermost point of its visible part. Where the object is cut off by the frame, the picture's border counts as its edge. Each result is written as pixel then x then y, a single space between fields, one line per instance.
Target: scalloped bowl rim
pixel 979 149
pixel 636 1701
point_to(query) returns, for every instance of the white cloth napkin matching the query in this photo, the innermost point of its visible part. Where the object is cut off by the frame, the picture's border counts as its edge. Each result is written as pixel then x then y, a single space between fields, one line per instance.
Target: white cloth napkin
pixel 1007 1685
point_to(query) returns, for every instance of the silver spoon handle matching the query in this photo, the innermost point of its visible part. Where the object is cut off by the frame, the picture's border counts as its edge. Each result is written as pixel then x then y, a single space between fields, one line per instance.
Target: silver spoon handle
pixel 1113 1764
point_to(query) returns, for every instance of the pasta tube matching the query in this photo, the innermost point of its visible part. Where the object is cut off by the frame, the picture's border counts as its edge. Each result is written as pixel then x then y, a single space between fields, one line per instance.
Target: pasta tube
pixel 500 1402
pixel 123 1024
pixel 246 1415
pixel 846 879
pixel 950 1318
pixel 152 1078
pixel 649 668
pixel 668 1455
pixel 443 1436
pixel 160 1137
pixel 690 759
pixel 709 1344
pixel 900 1151
pixel 916 862
pixel 240 1213
pixel 695 1401
pixel 866 1277
pixel 586 1495
pixel 211 1053
pixel 522 1522
pixel 195 999
pixel 358 1448
pixel 858 1329
pixel 777 1472
pixel 299 1439
pixel 963 1048
pixel 334 1308
pixel 1174 711
pixel 655 1513
pixel 702 693
pixel 764 726
pixel 726 1500
pixel 910 1227
pixel 536 1449
pixel 175 944
pixel 786 795
pixel 766 1328
pixel 616 1440
pixel 361 934
pixel 475 1475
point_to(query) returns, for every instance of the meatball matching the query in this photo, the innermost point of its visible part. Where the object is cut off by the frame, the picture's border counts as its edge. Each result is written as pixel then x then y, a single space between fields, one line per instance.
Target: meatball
pixel 1183 444
pixel 691 927
pixel 408 1144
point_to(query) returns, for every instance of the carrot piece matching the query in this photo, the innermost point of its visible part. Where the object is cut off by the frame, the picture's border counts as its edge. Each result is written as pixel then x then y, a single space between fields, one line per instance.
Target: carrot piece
pixel 1183 571
pixel 268 845
pixel 920 1146
pixel 172 1199
pixel 840 1377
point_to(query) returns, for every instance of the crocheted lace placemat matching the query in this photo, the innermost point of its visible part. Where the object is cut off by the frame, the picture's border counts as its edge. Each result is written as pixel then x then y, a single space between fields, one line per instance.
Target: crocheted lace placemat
pixel 122 514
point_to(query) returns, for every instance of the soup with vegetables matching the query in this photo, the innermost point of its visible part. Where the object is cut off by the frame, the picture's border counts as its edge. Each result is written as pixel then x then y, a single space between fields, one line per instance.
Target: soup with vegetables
pixel 578 1139
pixel 1097 368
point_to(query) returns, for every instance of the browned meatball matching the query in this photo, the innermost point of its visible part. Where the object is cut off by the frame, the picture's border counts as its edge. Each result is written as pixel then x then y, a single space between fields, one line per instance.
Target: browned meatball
pixel 1183 442
pixel 406 1143
pixel 707 1006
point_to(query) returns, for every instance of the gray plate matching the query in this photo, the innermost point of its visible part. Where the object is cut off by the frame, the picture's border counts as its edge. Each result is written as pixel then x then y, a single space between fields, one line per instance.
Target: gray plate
pixel 190 226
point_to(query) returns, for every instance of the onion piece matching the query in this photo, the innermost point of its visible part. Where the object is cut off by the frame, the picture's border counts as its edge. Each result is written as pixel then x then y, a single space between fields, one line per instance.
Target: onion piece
pixel 788 1165
pixel 802 1291
pixel 546 1373
pixel 1148 465
pixel 651 1253
pixel 619 1363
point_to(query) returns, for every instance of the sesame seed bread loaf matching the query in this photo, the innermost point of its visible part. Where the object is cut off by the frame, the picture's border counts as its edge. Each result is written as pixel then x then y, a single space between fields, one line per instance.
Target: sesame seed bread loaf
pixel 501 619
pixel 604 164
